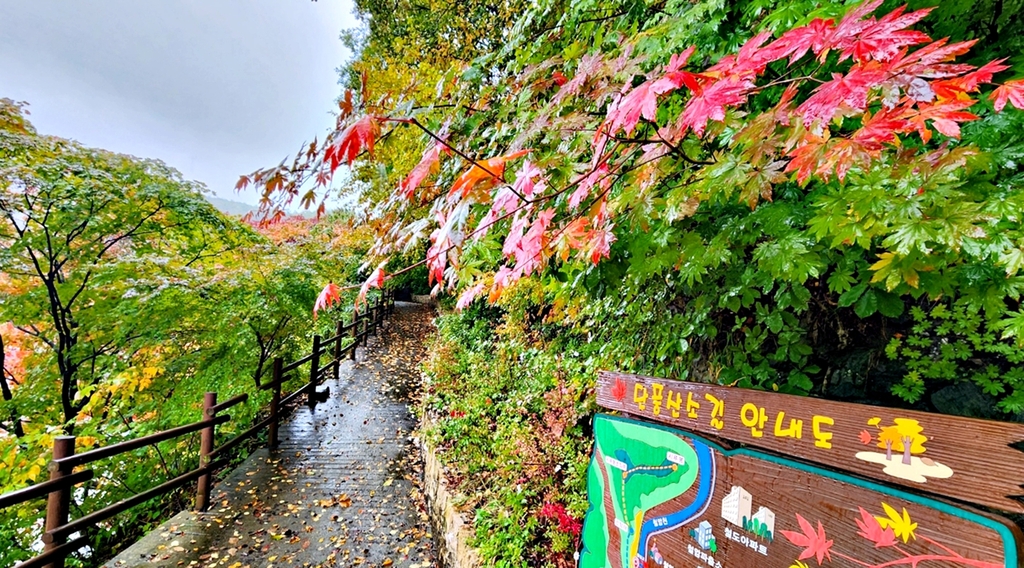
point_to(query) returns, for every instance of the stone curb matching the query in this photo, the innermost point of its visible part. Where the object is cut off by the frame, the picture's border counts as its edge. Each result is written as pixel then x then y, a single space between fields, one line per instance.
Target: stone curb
pixel 424 299
pixel 451 532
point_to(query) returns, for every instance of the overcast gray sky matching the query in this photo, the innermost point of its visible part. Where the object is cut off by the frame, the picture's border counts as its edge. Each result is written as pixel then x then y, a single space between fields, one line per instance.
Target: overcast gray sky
pixel 215 88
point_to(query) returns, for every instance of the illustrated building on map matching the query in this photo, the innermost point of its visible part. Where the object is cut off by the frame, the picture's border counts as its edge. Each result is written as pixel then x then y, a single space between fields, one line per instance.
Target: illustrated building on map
pixel 737 505
pixel 703 535
pixel 766 517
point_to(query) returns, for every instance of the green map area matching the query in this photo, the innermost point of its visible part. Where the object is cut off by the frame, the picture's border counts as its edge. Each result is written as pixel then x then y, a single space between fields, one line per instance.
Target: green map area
pixel 635 468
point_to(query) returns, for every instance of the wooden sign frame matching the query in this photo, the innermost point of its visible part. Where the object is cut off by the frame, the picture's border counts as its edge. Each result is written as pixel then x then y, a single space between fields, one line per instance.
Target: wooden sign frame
pixel 663 498
pixel 965 459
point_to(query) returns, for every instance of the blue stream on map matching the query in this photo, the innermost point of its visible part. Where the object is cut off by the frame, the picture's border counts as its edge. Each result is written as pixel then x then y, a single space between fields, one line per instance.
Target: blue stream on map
pixel 705 473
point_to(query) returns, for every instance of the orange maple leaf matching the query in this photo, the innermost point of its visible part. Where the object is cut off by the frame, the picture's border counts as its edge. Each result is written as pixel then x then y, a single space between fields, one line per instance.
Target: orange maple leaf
pixel 492 171
pixel 865 437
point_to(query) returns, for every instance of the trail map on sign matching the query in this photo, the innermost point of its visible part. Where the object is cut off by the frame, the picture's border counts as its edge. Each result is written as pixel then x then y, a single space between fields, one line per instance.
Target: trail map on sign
pixel 633 473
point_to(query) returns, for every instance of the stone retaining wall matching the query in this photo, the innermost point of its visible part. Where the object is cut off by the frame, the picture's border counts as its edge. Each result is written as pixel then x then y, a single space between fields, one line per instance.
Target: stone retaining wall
pixel 451 531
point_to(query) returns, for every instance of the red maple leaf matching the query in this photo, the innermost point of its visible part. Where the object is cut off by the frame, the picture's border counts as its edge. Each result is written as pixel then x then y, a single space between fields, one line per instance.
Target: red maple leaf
pixel 865 437
pixel 710 103
pixel 944 116
pixel 619 390
pixel 873 531
pixel 814 543
pixel 376 280
pixel 361 134
pixel 467 296
pixel 751 59
pixel 969 82
pixel 1012 91
pixel 863 145
pixel 330 295
pixel 600 243
pixel 642 101
pixel 427 165
pixel 806 156
pixel 883 39
pixel 587 68
pixel 849 27
pixel 796 42
pixel 843 91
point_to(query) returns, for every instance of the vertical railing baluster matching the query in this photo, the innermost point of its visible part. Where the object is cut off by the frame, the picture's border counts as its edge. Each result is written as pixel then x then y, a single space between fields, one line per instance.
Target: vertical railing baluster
pixel 354 330
pixel 58 503
pixel 314 371
pixel 338 330
pixel 206 439
pixel 275 402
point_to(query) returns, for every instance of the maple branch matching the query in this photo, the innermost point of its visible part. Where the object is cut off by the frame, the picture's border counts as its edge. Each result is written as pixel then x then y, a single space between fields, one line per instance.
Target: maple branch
pixel 462 154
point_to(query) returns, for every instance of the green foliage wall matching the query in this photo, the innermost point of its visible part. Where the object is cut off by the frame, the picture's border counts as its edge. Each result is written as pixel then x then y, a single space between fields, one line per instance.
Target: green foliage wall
pixel 799 294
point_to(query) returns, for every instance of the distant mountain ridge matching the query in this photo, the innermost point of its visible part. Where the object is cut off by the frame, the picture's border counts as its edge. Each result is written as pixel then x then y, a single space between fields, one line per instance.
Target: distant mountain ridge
pixel 229 207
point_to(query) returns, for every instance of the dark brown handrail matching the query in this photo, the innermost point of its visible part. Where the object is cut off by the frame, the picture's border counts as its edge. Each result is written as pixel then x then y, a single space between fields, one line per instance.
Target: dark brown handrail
pixel 125 504
pixel 229 403
pixel 121 447
pixel 56 554
pixel 230 444
pixel 43 489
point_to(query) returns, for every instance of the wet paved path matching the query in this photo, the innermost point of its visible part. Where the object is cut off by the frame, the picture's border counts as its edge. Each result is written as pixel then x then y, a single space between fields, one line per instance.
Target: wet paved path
pixel 343 488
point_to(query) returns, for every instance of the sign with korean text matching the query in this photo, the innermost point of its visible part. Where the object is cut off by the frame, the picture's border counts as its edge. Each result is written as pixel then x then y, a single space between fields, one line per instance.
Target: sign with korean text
pixel 664 498
pixel 961 458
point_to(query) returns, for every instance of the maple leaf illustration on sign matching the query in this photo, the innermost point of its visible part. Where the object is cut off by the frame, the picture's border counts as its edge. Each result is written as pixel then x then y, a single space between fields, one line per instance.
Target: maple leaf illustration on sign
pixel 815 543
pixel 872 530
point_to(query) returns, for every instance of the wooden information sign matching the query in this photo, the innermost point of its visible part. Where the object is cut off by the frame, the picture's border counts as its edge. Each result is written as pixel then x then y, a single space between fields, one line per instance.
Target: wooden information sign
pixel 960 458
pixel 663 498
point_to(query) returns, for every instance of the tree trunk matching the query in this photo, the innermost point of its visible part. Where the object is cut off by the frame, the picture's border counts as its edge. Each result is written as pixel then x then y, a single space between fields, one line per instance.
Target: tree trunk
pixel 888 450
pixel 907 444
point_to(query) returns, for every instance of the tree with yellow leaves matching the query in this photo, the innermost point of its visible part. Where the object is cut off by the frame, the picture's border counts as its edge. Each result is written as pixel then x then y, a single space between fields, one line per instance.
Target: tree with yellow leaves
pixel 905 435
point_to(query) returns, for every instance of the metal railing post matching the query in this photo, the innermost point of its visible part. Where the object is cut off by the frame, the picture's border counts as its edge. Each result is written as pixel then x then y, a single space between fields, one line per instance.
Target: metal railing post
pixel 314 371
pixel 206 440
pixel 275 402
pixel 338 329
pixel 58 503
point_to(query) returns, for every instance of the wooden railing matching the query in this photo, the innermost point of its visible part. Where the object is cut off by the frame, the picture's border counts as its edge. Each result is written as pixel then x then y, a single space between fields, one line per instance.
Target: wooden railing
pixel 63 478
